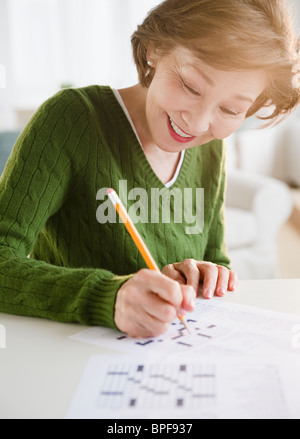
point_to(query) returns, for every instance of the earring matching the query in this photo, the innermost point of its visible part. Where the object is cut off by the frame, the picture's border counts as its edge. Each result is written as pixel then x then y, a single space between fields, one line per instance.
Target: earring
pixel 150 63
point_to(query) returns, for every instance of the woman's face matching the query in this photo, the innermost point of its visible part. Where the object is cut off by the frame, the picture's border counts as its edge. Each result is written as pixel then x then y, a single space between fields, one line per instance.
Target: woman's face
pixel 190 103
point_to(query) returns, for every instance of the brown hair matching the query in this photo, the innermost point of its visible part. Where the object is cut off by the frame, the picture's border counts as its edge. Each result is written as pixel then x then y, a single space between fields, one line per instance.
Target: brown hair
pixel 228 35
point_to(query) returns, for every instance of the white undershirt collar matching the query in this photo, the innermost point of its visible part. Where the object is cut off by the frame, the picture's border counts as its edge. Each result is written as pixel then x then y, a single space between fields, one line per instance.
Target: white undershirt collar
pixel 121 102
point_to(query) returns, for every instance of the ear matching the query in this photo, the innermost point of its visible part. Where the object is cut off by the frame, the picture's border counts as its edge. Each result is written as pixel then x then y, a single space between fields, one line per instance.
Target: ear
pixel 152 58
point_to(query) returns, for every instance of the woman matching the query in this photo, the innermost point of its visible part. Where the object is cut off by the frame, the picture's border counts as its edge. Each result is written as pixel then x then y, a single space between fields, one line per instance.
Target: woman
pixel 203 68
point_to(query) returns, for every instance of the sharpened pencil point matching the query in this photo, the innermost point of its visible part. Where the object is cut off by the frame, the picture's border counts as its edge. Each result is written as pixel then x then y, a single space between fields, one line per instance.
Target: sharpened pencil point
pixel 184 322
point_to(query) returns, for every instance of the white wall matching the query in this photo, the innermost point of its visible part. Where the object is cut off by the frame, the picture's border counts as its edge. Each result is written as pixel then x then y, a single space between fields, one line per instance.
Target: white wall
pixel 45 43
pixel 7 116
pixel 296 5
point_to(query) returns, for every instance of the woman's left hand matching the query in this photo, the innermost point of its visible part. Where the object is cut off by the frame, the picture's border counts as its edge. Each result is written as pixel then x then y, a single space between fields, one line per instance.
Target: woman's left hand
pixel 216 278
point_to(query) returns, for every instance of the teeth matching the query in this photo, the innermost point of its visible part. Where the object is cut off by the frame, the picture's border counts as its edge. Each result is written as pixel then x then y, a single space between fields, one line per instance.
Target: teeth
pixel 178 130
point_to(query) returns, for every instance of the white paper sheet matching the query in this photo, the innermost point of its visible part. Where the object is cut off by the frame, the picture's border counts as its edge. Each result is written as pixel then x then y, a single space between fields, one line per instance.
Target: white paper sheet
pixel 119 387
pixel 217 327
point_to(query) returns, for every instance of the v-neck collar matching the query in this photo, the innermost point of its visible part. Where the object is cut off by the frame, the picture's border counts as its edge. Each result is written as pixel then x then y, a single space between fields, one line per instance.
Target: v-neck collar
pixel 137 154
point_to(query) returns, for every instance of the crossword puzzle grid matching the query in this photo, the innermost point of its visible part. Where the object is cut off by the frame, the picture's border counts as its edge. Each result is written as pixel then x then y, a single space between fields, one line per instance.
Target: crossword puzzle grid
pixel 179 336
pixel 158 386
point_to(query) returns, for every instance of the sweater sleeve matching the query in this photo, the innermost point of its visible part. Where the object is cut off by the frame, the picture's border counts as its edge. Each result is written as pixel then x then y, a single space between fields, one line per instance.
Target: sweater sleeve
pixel 37 179
pixel 216 249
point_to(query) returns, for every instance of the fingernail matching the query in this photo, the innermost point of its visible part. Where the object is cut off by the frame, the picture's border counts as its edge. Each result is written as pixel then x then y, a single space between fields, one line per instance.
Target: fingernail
pixel 221 292
pixel 192 303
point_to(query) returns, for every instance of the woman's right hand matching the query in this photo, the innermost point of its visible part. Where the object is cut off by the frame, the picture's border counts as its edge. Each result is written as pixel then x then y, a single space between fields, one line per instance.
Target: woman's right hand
pixel 148 302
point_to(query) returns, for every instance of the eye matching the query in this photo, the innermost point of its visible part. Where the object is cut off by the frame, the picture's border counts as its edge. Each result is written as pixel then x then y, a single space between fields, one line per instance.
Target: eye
pixel 190 89
pixel 229 112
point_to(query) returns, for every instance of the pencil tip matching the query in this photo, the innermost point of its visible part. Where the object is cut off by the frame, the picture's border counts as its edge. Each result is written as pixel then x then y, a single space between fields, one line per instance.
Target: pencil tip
pixel 185 324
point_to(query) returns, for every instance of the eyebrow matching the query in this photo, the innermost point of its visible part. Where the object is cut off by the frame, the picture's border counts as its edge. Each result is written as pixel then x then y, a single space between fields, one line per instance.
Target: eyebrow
pixel 244 98
pixel 205 77
pixel 213 84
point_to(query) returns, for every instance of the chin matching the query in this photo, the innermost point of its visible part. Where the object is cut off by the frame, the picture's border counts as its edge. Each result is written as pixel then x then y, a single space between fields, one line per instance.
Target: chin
pixel 173 148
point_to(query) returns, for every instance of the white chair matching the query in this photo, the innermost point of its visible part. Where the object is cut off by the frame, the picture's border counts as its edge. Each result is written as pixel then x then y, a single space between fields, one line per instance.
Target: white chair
pixel 293 152
pixel 256 208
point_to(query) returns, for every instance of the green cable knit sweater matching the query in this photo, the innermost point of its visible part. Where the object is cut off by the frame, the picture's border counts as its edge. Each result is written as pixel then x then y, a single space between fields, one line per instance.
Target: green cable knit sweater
pixel 79 142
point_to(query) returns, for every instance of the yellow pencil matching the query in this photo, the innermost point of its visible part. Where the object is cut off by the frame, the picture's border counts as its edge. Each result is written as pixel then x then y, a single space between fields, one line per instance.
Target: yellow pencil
pixel 132 230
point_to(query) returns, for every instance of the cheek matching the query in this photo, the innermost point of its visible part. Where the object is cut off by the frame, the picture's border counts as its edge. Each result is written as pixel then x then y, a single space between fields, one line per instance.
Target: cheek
pixel 226 127
pixel 166 94
pixel 166 101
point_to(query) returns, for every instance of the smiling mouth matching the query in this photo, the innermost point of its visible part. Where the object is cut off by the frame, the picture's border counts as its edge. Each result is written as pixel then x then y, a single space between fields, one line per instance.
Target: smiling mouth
pixel 179 131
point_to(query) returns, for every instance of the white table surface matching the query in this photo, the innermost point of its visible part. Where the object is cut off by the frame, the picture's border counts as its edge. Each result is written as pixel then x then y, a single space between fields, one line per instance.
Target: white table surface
pixel 41 366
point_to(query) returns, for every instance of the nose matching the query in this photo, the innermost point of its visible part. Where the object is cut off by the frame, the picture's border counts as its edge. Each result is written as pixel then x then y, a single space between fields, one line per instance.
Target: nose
pixel 198 122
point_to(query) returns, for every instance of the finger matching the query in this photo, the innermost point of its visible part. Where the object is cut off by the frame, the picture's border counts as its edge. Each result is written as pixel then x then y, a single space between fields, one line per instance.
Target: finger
pixel 223 280
pixel 170 271
pixel 157 283
pixel 163 310
pixel 188 301
pixel 233 281
pixel 151 327
pixel 158 308
pixel 140 313
pixel 209 273
pixel 148 327
pixel 189 269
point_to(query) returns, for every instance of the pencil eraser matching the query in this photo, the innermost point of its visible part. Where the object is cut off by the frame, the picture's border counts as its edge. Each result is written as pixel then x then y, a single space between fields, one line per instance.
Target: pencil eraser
pixel 109 190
